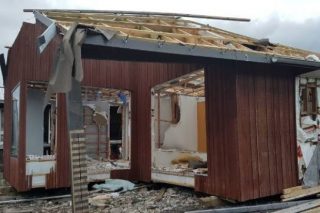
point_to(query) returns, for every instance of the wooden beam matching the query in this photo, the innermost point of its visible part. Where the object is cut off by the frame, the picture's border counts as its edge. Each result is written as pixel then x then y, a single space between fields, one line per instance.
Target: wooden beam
pixel 292 189
pixel 140 13
pixel 188 39
pixel 301 207
pixel 301 193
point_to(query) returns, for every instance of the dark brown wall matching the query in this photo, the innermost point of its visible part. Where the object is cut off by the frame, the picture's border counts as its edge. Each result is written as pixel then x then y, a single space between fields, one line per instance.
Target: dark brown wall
pixel 266 131
pixel 138 77
pixel 251 131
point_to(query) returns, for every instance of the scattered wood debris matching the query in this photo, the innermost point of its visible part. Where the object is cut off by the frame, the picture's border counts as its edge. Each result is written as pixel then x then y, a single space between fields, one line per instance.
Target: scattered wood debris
pixel 144 198
pixel 298 192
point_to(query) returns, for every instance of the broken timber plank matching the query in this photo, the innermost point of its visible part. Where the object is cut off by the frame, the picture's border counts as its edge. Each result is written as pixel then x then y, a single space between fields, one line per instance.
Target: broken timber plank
pixel 301 193
pixel 302 207
pixel 292 189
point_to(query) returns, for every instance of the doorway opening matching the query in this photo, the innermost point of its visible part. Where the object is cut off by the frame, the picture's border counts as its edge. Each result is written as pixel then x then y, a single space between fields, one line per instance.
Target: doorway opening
pixel 179 147
pixel 107 126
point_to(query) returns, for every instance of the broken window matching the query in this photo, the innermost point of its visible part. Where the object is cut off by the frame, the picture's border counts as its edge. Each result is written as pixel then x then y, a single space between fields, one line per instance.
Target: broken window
pixel 308 99
pixel 107 126
pixel 15 120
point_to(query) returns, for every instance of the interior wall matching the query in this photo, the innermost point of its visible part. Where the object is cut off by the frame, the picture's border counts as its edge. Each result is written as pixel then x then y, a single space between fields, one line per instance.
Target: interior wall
pixel 165 117
pixel 34 125
pixel 177 139
pixel 201 127
pixel 183 135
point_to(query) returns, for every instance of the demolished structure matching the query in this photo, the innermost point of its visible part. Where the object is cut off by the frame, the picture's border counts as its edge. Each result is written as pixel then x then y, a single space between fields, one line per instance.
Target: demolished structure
pixel 165 99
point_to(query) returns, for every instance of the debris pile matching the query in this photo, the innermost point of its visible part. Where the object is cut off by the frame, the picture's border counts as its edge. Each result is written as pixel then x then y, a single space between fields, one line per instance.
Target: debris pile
pixel 103 167
pixel 38 206
pixel 185 164
pixel 143 198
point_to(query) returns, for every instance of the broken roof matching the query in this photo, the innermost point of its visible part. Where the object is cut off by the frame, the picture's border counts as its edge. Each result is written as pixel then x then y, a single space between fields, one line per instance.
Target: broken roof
pixel 169 33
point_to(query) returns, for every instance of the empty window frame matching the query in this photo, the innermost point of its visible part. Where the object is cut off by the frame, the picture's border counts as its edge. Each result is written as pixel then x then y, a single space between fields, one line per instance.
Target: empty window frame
pixel 15 121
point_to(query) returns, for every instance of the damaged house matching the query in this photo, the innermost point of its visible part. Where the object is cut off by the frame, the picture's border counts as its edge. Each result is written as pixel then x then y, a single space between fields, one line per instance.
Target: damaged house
pixel 164 99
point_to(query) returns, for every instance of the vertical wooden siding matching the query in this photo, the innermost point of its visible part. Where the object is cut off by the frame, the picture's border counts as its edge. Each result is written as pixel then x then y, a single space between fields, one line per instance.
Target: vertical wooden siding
pixel 222 145
pixel 251 131
pixel 266 104
pixel 24 64
pixel 27 65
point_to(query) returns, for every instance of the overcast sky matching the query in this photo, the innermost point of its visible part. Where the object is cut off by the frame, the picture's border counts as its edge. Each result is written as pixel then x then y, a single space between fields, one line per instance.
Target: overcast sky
pixel 291 22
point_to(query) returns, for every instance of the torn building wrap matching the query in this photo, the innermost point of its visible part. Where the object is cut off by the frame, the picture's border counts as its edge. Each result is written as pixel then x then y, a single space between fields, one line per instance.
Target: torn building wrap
pixel 67 64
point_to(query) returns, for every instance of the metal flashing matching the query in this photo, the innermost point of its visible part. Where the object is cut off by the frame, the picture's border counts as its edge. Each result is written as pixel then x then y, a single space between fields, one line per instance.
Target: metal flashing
pixel 44 39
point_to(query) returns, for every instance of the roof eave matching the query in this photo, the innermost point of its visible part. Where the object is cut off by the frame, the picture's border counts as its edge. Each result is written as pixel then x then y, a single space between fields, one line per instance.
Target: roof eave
pixel 196 51
pixel 171 48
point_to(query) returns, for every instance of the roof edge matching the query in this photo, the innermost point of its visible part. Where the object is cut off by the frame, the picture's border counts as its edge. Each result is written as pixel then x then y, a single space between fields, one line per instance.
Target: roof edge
pixel 145 13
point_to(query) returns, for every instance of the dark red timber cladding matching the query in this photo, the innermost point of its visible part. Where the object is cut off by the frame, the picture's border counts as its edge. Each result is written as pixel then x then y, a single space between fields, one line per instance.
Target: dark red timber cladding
pixel 251 143
pixel 222 146
pixel 26 64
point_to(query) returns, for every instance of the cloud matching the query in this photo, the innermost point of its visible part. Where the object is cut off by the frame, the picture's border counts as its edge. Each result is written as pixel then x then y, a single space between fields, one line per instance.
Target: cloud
pixel 274 20
pixel 303 35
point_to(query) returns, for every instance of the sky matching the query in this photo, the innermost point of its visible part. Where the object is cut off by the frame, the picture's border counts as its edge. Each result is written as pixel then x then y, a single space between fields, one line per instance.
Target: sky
pixel 290 22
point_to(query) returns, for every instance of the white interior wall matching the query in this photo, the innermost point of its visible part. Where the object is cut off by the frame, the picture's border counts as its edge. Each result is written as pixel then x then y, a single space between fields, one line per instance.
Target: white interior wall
pixel 183 135
pixel 176 138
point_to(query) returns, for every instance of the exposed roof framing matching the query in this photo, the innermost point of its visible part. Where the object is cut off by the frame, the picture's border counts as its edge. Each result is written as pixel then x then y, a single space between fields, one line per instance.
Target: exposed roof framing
pixel 92 93
pixel 88 93
pixel 191 84
pixel 169 33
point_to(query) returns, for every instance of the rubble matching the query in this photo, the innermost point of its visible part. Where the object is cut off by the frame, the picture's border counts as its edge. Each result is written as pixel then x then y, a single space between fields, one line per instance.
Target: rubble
pixel 146 198
pixel 96 167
